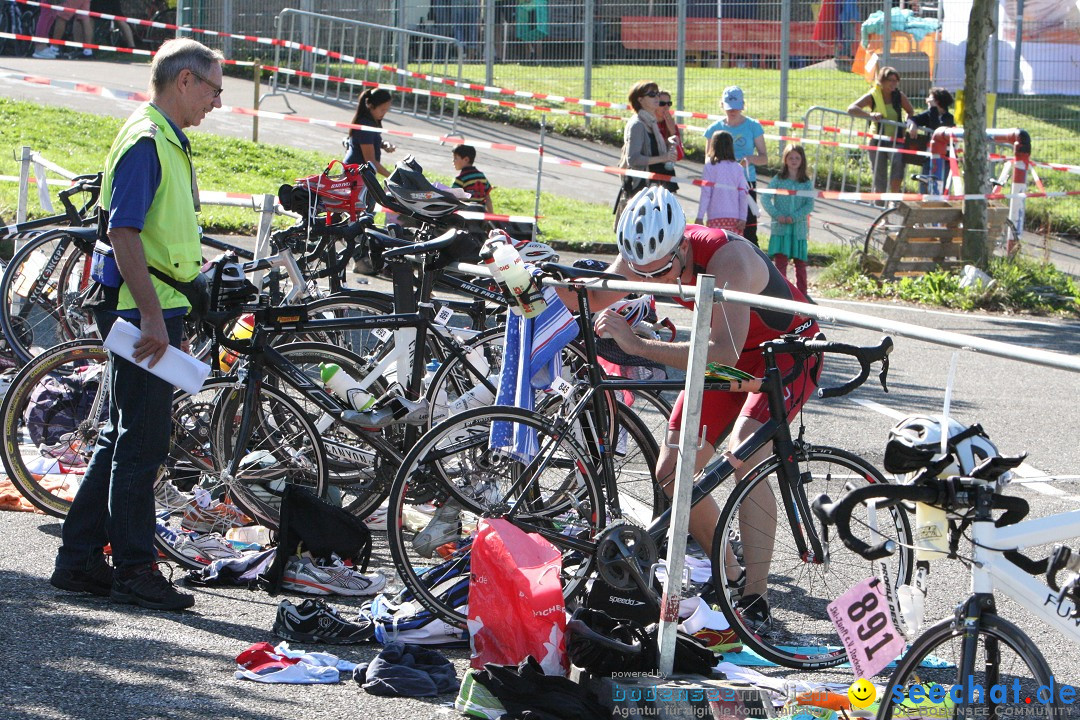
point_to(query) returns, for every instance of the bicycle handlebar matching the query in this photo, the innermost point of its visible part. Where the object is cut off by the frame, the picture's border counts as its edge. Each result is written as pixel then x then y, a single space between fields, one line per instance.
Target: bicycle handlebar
pixel 951 494
pixel 83 183
pixel 866 355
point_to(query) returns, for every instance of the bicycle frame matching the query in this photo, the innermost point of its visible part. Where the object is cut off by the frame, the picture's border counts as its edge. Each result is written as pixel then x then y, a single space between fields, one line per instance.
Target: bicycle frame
pixel 993 571
pixel 775 430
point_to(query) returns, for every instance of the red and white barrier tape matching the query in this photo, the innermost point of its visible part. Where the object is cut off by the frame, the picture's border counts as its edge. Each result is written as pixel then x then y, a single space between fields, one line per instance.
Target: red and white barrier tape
pixel 95 46
pixel 550 159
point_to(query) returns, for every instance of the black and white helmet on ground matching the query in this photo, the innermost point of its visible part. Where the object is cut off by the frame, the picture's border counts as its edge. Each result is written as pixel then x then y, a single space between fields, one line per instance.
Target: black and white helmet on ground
pixel 651 226
pixel 915 442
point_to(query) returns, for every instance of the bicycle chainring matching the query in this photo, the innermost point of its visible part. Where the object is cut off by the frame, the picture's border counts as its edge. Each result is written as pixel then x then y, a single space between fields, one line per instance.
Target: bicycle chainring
pixel 623 551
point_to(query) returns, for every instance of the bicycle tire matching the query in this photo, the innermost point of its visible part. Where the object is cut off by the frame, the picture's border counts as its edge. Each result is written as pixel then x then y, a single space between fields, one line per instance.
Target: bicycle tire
pixel 44 322
pixel 45 484
pixel 283 447
pixel 1009 243
pixel 878 233
pixel 1001 647
pixel 359 476
pixel 454 456
pixel 641 498
pixel 799 618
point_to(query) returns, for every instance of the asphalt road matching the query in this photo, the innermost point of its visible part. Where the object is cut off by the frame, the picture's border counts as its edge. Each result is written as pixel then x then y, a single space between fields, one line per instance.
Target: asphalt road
pixel 68 656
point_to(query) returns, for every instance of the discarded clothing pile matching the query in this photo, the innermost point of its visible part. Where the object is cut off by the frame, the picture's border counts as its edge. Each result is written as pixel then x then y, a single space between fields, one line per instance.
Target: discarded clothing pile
pixel 525 691
pixel 262 662
pixel 402 670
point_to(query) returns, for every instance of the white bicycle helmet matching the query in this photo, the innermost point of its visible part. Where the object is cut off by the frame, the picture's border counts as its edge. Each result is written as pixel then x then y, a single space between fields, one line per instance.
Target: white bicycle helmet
pixel 651 226
pixel 915 442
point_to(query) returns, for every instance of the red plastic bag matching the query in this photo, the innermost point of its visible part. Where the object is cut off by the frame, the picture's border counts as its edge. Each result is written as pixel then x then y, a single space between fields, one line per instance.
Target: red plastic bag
pixel 516 605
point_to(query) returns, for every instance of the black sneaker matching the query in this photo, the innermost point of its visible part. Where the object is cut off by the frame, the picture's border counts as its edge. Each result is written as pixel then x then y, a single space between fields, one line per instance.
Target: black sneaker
pixel 754 611
pixel 148 588
pixel 96 578
pixel 315 621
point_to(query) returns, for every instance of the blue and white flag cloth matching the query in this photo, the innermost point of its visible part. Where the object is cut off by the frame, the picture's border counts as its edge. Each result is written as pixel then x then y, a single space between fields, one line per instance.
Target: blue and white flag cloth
pixel 532 359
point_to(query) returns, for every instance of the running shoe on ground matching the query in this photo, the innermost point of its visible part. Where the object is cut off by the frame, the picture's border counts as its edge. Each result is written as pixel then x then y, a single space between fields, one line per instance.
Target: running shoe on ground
pixel 720 641
pixel 147 587
pixel 477 701
pixel 313 621
pixel 754 610
pixel 377 519
pixel 168 496
pixel 329 578
pixel 96 578
pixel 208 546
pixel 444 527
pixel 218 517
pixel 48 53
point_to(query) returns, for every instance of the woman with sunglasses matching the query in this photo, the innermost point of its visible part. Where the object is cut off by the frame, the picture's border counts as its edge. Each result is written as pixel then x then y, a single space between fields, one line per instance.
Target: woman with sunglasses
pixel 644 145
pixel 668 127
pixel 656 245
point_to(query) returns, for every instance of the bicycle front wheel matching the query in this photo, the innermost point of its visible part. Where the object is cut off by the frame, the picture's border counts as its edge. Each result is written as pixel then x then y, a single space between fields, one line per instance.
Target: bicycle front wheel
pixel 556 494
pixel 41 289
pixel 779 606
pixel 51 416
pixel 1003 657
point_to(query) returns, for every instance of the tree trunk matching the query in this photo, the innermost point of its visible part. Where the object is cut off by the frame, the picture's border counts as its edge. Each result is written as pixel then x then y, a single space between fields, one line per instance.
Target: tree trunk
pixel 976 146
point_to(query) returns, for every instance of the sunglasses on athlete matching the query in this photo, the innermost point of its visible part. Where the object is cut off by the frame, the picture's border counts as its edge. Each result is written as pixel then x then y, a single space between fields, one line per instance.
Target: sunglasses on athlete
pixel 656 273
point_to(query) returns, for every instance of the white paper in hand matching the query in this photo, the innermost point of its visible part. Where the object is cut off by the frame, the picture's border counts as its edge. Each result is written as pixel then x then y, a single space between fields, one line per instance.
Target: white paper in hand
pixel 176 367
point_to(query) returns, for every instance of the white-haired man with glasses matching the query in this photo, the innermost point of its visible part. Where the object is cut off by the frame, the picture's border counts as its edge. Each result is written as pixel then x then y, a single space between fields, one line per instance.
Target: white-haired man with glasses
pixel 149 192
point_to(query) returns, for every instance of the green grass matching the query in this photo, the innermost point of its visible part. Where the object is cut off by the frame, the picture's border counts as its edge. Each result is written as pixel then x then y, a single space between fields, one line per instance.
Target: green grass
pixel 1019 285
pixel 80 141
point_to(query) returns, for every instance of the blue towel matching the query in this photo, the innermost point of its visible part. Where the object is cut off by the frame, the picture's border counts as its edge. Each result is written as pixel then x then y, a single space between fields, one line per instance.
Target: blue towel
pixel 532 359
pixel 749 658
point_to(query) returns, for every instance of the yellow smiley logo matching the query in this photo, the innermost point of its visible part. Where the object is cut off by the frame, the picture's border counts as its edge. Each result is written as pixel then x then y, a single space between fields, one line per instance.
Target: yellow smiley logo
pixel 862 693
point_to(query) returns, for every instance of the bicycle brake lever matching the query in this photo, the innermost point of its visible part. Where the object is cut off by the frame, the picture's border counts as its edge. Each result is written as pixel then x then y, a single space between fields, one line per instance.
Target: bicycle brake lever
pixel 884 374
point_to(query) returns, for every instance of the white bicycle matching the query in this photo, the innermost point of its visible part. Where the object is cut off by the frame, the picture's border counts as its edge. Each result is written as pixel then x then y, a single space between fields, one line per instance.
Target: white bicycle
pixel 986 666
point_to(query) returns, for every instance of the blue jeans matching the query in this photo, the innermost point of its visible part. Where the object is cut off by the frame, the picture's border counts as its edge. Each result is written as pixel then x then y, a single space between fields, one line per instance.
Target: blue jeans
pixel 115 502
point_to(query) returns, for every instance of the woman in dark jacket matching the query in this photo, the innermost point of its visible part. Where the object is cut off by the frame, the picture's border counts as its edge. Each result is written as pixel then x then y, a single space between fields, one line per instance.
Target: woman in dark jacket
pixel 938 102
pixel 367 145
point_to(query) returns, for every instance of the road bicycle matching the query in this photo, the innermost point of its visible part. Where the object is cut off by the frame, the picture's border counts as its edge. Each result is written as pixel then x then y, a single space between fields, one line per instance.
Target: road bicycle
pixel 567 492
pixel 977 650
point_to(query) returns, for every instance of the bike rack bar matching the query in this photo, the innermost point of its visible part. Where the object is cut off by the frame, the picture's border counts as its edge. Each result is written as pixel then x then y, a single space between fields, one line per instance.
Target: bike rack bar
pixel 971 343
pixel 685 471
pixel 24 184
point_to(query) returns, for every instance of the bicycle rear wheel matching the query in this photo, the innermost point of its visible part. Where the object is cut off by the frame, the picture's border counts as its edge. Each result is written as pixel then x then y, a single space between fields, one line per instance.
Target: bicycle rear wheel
pixel 359 476
pixel 1004 657
pixel 796 589
pixel 283 448
pixel 431 544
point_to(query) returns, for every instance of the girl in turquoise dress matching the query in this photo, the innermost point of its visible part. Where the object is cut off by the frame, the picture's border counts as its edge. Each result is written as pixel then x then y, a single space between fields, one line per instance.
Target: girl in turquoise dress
pixel 790 215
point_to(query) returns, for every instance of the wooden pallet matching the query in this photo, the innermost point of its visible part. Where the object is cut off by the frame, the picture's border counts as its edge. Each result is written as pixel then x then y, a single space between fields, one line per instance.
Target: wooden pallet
pixel 930 236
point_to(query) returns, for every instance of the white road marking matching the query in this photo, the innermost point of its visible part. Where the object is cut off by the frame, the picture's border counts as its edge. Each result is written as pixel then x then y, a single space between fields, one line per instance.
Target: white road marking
pixel 878 407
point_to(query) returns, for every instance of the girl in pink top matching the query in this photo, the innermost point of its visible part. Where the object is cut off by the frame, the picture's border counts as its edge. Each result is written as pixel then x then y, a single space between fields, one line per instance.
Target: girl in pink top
pixel 725 202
